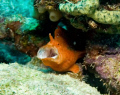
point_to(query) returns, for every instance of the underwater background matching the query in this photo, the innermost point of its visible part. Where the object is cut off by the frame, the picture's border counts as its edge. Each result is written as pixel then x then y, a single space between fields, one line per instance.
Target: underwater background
pixel 63 47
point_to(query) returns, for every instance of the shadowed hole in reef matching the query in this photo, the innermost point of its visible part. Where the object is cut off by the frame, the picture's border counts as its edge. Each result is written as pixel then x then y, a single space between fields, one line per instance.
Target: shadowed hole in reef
pixel 94 82
pixel 109 1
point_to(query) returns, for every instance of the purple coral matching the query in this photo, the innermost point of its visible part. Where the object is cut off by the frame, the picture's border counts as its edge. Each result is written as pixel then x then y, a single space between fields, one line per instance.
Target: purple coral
pixel 104 57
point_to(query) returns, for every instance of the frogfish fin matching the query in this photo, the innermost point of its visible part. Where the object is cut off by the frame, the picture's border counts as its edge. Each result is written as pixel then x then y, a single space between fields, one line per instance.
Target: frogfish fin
pixel 60 36
pixel 75 68
pixel 50 36
pixel 80 53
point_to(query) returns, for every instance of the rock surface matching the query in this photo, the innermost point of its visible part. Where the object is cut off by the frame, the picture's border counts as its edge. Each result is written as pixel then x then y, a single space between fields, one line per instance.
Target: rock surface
pixel 21 80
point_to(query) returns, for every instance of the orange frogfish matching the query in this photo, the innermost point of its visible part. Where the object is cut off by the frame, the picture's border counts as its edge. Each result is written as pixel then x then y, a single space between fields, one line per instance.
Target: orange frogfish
pixel 57 55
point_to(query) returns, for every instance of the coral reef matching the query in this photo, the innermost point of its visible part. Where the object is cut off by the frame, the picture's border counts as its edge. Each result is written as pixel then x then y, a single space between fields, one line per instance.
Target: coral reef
pixel 27 23
pixel 17 23
pixel 35 63
pixel 51 6
pixel 8 53
pixel 89 14
pixel 17 79
pixel 26 26
pixel 28 44
pixel 10 7
pixel 103 56
pixel 24 13
pixel 89 8
pixel 54 15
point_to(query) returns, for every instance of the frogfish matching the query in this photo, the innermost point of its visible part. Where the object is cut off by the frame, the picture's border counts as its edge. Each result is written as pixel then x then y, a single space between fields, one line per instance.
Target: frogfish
pixel 57 55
